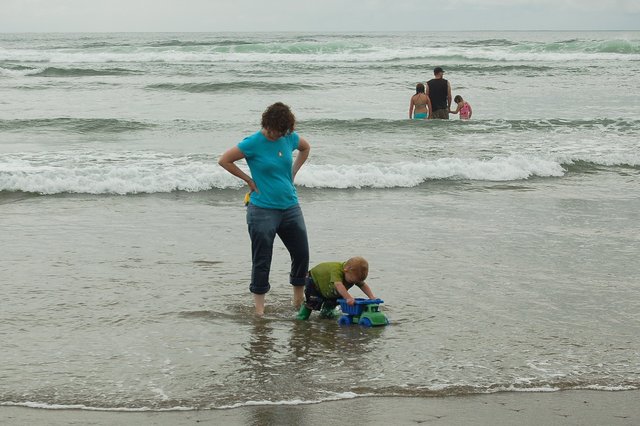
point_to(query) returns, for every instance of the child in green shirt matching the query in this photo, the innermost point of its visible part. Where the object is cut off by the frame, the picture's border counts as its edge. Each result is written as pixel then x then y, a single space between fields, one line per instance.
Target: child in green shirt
pixel 329 281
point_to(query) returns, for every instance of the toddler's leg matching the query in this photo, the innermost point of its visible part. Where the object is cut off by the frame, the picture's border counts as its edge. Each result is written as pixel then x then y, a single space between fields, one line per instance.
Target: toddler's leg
pixel 304 313
pixel 328 311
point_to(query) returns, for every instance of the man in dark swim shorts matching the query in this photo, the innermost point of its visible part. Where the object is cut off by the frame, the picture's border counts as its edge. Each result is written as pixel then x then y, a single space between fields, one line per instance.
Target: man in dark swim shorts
pixel 439 91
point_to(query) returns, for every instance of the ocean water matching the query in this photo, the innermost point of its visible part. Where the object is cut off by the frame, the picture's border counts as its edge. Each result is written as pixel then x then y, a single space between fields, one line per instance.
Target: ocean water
pixel 505 248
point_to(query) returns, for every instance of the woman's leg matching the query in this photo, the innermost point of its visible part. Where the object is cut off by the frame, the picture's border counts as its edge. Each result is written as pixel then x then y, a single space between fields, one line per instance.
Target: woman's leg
pixel 298 296
pixel 293 233
pixel 262 225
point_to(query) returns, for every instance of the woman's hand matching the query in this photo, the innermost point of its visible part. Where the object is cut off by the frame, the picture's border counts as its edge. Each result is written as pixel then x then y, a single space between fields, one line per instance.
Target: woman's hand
pixel 252 186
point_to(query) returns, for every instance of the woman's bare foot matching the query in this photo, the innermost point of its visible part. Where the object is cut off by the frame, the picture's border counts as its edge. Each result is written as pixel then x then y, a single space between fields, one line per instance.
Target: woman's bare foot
pixel 258 300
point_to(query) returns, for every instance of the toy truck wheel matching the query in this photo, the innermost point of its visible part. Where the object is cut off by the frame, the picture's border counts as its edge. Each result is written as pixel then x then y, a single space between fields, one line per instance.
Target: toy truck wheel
pixel 344 320
pixel 366 322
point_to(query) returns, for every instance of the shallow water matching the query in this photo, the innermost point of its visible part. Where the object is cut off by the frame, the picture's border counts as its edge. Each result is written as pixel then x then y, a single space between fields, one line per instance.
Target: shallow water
pixel 505 248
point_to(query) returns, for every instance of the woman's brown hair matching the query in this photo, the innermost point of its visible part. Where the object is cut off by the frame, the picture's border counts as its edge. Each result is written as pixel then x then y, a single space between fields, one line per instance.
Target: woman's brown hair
pixel 278 118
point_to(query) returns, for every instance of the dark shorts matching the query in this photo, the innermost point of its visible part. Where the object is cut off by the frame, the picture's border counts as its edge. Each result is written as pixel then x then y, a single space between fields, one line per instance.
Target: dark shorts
pixel 314 300
pixel 440 113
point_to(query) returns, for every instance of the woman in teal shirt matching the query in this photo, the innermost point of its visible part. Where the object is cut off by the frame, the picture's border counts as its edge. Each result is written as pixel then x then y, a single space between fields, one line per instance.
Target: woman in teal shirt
pixel 273 208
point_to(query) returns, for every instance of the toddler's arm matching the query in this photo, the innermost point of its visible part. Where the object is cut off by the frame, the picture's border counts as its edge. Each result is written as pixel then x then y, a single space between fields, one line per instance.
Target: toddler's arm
pixel 344 293
pixel 367 290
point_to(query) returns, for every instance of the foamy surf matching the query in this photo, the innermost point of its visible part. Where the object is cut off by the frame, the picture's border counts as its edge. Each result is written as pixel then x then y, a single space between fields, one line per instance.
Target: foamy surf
pixel 139 172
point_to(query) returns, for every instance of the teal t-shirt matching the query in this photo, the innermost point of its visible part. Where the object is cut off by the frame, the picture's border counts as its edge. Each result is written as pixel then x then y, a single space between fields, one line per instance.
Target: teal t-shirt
pixel 271 165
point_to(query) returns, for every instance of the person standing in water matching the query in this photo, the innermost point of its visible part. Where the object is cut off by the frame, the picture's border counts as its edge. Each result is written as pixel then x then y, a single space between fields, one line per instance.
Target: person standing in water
pixel 273 207
pixel 419 104
pixel 464 108
pixel 439 91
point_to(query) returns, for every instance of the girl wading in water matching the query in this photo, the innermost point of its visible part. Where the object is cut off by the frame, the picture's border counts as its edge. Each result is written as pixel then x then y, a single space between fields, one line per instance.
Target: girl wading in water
pixel 419 104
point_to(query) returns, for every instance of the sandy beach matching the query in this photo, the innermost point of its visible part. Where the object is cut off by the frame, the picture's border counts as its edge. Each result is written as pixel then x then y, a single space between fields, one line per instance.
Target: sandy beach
pixel 509 408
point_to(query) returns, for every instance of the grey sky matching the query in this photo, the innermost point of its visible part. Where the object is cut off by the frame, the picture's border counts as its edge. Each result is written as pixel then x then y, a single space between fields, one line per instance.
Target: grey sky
pixel 321 15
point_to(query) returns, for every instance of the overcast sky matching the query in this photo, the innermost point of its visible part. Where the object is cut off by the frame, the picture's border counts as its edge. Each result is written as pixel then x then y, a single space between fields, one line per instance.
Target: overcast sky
pixel 318 15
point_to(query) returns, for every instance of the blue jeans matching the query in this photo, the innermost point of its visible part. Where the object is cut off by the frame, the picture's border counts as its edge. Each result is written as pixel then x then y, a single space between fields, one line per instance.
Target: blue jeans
pixel 264 225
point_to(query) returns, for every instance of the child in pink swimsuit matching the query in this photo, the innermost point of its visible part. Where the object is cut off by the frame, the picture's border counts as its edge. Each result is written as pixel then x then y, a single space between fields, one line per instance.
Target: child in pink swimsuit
pixel 463 108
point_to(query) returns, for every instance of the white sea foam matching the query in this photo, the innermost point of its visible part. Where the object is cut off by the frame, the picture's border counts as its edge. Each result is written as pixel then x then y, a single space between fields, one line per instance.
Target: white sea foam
pixel 143 172
pixel 333 397
pixel 515 388
pixel 42 405
pixel 409 174
pixel 152 172
pixel 131 173
pixel 124 173
pixel 317 52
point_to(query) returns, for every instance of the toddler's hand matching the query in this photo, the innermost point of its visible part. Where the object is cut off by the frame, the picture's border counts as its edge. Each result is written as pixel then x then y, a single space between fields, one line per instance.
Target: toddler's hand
pixel 351 301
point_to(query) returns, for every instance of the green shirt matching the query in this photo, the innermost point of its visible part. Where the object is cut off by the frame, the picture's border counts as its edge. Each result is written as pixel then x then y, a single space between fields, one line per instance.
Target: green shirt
pixel 325 275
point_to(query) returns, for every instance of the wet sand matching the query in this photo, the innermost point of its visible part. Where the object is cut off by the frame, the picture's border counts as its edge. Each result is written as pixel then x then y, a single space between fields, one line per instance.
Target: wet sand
pixel 509 408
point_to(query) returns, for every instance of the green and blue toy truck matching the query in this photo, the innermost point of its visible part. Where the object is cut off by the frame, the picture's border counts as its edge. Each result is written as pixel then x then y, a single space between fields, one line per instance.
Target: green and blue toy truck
pixel 365 312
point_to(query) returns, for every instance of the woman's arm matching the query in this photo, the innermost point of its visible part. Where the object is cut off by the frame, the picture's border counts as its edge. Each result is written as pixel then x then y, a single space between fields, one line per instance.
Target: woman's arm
pixel 411 106
pixel 303 153
pixel 227 161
